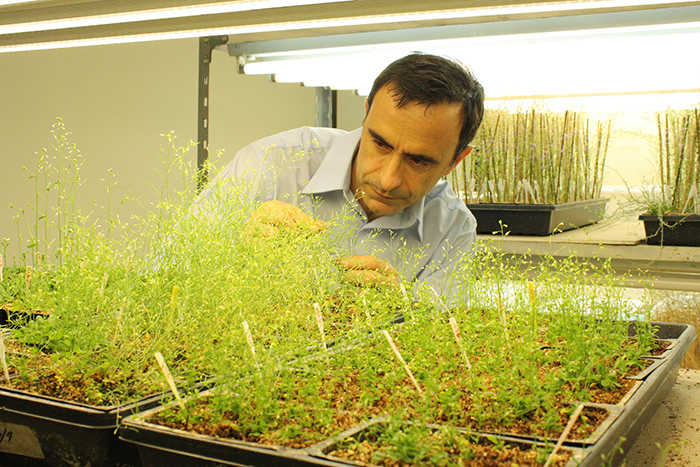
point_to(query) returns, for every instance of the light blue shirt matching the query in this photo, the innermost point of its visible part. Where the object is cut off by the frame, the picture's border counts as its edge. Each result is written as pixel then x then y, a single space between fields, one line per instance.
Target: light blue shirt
pixel 310 168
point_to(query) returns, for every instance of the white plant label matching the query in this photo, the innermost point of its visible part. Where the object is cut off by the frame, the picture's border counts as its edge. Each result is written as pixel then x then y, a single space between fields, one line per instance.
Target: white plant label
pixel 403 362
pixel 19 439
pixel 249 339
pixel 3 359
pixel 169 378
pixel 104 283
pixel 458 338
pixel 319 321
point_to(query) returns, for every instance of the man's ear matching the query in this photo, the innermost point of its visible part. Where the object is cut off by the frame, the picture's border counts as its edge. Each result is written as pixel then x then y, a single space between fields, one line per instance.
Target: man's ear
pixel 366 107
pixel 459 159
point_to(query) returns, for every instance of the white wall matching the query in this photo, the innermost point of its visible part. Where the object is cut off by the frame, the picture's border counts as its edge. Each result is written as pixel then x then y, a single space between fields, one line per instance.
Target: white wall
pixel 117 101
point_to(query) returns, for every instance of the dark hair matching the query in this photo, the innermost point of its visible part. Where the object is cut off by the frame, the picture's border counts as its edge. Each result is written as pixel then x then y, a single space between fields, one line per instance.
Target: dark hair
pixel 431 79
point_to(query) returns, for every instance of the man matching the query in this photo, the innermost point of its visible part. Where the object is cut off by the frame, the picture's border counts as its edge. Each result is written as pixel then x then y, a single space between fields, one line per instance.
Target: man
pixel 421 115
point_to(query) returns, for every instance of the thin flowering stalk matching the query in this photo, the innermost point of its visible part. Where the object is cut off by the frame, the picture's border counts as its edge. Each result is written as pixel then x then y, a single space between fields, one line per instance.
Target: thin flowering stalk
pixel 364 307
pixel 444 307
pixel 405 295
pixel 173 298
pixel 401 360
pixel 533 306
pixel 2 265
pixel 504 323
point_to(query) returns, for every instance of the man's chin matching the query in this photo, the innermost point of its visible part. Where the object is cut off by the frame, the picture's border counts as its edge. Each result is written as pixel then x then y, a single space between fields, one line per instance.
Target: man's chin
pixel 379 208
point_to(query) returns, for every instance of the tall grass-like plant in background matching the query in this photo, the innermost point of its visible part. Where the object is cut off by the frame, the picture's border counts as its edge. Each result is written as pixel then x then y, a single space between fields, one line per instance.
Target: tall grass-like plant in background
pixel 678 165
pixel 534 157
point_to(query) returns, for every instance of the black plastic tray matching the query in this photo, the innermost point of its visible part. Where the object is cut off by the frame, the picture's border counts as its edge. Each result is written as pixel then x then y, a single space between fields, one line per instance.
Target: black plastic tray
pixel 41 430
pixel 159 446
pixel 536 219
pixel 675 230
pixel 644 402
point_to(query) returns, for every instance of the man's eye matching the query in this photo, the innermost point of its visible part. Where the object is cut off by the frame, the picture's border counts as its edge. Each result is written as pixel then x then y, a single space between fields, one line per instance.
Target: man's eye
pixel 419 163
pixel 380 144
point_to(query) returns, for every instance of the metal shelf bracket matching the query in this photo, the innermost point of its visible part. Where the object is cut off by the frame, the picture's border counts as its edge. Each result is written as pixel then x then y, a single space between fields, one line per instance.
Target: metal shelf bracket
pixel 206 47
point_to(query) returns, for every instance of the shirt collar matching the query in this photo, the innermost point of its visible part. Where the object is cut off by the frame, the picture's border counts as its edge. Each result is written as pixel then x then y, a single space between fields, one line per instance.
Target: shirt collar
pixel 334 172
pixel 334 175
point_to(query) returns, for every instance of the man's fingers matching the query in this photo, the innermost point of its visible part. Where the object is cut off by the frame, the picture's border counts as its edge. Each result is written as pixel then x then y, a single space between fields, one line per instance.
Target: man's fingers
pixel 281 215
pixel 369 277
pixel 367 263
pixel 368 271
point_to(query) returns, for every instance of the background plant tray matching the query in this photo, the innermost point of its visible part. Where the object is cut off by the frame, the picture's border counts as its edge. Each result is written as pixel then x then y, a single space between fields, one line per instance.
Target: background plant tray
pixel 675 230
pixel 536 219
pixel 159 445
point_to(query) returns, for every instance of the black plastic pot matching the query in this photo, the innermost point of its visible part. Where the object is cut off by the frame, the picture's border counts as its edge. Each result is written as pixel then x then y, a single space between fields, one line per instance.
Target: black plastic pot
pixel 159 445
pixel 536 219
pixel 672 229
pixel 41 430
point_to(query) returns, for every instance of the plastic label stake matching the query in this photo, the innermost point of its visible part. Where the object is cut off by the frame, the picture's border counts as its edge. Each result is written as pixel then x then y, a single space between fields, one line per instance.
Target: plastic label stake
pixel 403 362
pixel 249 339
pixel 27 277
pixel 3 359
pixel 169 378
pixel 564 434
pixel 319 321
pixel 458 338
pixel 104 283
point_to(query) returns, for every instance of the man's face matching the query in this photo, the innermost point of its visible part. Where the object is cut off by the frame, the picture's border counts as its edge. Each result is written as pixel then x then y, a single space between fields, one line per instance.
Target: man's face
pixel 403 153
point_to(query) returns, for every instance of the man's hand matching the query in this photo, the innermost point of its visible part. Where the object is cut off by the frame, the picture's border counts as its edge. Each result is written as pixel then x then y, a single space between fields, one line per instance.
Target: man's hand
pixel 369 270
pixel 273 216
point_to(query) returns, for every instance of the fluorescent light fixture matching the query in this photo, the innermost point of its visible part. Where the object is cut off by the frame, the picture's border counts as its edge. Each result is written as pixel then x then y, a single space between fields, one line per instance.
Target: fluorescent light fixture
pixel 157 14
pixel 14 2
pixel 148 24
pixel 559 66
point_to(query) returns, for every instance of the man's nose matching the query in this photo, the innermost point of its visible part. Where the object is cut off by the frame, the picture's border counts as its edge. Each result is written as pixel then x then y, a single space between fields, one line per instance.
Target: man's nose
pixel 390 177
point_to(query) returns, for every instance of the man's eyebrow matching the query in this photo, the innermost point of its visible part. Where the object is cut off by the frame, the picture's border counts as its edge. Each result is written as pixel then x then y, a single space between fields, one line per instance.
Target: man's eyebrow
pixel 419 157
pixel 379 138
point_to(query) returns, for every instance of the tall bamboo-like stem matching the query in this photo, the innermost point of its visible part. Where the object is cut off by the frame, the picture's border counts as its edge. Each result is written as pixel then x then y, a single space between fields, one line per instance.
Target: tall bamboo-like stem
pixel 660 127
pixel 532 156
pixel 668 153
pixel 684 130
